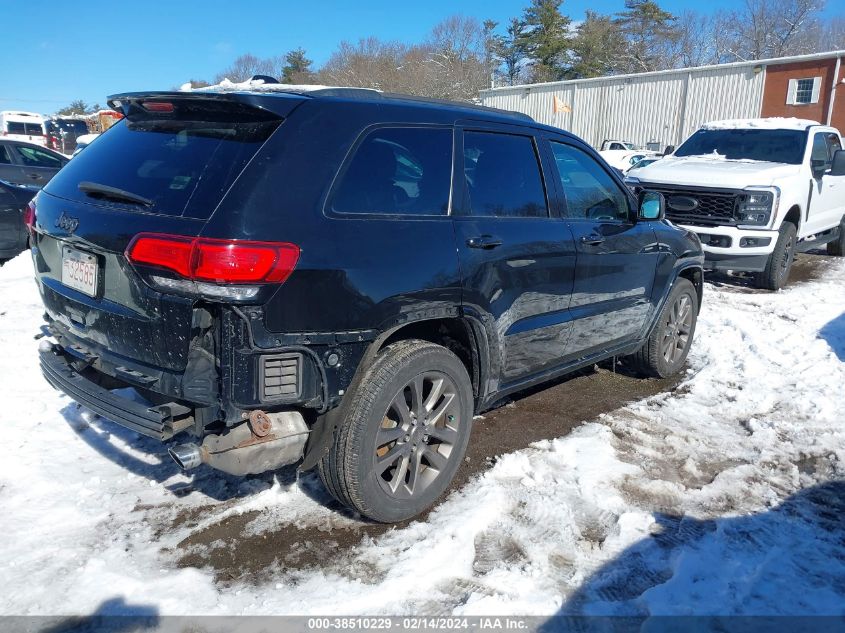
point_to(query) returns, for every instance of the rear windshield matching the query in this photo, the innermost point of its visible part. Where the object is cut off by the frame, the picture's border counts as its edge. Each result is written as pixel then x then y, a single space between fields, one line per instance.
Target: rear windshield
pixel 75 127
pixel 28 129
pixel 776 146
pixel 184 166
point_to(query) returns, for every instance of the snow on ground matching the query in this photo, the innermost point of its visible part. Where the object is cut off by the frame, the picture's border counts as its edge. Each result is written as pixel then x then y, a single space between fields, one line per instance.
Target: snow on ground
pixel 726 496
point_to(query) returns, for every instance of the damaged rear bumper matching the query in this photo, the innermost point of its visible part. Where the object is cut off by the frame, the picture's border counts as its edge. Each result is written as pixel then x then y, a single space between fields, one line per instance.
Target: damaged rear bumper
pixel 64 373
pixel 261 443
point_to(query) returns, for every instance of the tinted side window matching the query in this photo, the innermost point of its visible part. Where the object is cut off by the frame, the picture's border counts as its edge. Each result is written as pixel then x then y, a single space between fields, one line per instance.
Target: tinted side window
pixel 5 159
pixel 589 190
pixel 405 171
pixel 820 154
pixel 503 176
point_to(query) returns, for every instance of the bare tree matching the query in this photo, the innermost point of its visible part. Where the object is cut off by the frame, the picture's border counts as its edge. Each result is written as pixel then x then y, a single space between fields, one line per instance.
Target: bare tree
pixel 830 34
pixel 371 63
pixel 458 49
pixel 245 66
pixel 773 28
pixel 450 64
pixel 698 42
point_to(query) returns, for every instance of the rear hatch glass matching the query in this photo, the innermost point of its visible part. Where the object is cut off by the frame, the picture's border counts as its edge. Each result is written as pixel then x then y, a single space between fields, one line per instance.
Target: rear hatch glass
pixel 183 160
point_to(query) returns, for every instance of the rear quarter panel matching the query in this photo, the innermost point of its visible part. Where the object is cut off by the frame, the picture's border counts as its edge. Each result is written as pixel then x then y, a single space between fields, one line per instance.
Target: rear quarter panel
pixel 354 273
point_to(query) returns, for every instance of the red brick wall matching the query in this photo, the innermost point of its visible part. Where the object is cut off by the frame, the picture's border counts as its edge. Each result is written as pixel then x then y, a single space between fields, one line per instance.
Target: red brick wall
pixel 838 118
pixel 777 85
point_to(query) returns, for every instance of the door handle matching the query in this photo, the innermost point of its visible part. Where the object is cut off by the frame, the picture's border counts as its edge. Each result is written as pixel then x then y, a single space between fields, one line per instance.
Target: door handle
pixel 35 176
pixel 484 241
pixel 592 240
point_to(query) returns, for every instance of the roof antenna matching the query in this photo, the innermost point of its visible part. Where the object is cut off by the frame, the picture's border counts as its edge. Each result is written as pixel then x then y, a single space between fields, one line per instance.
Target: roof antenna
pixel 267 79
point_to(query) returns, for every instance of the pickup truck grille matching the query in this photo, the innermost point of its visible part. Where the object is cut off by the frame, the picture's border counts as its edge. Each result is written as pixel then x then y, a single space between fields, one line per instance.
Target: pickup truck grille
pixel 707 207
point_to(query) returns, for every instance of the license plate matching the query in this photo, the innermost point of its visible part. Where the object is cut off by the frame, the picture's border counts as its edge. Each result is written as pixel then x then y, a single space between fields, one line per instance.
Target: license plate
pixel 79 271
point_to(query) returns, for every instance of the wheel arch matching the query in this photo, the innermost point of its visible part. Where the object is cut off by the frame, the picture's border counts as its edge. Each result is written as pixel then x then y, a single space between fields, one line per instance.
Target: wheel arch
pixel 793 216
pixel 456 334
pixel 696 276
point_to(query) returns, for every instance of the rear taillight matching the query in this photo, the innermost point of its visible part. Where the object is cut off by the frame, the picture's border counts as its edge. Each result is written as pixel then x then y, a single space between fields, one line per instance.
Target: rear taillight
pixel 29 216
pixel 216 261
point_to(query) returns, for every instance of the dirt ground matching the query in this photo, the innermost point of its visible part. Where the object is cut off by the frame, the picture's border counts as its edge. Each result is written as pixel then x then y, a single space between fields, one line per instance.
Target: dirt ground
pixel 542 413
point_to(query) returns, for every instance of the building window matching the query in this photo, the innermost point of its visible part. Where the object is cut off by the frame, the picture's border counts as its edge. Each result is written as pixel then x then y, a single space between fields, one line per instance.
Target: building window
pixel 803 91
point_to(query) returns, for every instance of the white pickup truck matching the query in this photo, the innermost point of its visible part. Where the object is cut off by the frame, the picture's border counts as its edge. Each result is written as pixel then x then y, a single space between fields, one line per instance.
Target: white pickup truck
pixel 755 191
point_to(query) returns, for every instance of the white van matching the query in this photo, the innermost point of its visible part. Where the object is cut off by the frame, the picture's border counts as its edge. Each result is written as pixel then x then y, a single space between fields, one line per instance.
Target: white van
pixel 22 126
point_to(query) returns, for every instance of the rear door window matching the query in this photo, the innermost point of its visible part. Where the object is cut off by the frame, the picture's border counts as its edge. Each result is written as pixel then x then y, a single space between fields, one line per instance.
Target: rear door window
pixel 5 159
pixel 590 192
pixel 34 157
pixel 503 177
pixel 398 171
pixel 184 164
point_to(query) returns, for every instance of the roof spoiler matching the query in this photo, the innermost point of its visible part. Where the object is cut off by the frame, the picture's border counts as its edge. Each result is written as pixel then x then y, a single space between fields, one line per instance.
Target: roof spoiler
pixel 279 106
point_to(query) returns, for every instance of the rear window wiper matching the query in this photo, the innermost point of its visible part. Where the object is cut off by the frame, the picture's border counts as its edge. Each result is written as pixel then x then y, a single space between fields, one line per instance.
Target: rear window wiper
pixel 95 189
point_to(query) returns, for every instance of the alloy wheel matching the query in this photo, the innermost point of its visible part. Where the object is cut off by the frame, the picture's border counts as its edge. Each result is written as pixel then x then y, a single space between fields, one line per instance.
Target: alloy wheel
pixel 416 438
pixel 787 260
pixel 678 327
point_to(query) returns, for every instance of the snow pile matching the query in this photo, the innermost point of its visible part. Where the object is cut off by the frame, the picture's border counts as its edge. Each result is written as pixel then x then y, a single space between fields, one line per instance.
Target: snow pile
pixel 724 497
pixel 770 123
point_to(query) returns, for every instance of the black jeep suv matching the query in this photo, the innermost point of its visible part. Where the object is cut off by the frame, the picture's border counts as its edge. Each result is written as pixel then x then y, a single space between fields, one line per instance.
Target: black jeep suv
pixel 343 278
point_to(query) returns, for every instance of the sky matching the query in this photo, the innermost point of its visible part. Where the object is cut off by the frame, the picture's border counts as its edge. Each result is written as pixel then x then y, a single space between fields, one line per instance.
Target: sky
pixel 97 48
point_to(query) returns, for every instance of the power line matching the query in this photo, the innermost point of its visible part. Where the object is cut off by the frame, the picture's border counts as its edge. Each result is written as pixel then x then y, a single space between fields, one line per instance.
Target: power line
pixel 33 100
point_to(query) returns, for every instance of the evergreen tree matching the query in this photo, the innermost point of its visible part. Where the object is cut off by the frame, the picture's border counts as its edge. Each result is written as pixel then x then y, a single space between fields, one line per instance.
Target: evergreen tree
pixel 649 33
pixel 509 53
pixel 546 39
pixel 297 67
pixel 597 47
pixel 77 106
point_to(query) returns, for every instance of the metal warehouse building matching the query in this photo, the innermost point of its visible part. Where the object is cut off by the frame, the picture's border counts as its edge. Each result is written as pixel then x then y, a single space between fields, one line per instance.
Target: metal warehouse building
pixel 665 107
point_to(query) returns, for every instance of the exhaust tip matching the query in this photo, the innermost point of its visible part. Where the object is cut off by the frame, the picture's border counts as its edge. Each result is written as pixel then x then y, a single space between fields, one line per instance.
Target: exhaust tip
pixel 187 456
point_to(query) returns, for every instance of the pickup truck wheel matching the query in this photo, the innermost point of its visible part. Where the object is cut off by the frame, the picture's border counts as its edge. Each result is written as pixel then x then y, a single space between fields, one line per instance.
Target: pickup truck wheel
pixel 837 246
pixel 405 434
pixel 776 273
pixel 666 348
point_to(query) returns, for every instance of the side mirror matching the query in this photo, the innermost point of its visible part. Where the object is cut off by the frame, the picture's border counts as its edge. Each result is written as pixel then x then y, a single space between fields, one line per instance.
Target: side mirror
pixel 652 206
pixel 818 167
pixel 837 168
pixel 669 149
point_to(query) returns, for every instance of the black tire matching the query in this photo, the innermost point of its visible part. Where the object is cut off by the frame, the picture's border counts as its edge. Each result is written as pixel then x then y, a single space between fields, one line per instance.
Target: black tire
pixel 837 246
pixel 383 463
pixel 776 273
pixel 665 351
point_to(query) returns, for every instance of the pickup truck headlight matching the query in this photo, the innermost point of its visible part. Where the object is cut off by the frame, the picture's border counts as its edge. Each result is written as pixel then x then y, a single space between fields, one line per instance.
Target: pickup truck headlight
pixel 756 206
